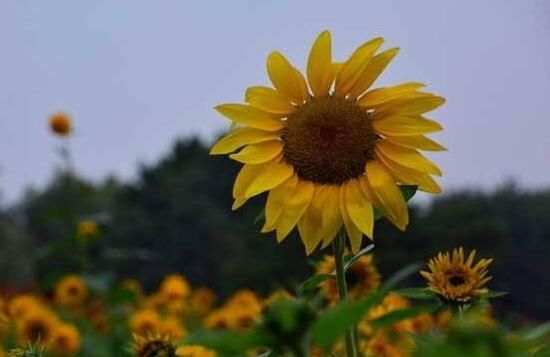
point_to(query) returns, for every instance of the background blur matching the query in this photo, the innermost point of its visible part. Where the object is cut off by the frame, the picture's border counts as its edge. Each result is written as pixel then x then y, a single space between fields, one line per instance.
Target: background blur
pixel 140 80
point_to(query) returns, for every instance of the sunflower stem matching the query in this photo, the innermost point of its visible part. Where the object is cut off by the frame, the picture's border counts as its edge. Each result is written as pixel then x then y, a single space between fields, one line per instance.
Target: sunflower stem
pixel 338 247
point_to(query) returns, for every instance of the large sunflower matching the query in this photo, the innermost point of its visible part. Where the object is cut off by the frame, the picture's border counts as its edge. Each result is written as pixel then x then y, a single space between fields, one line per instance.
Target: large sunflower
pixel 455 278
pixel 329 152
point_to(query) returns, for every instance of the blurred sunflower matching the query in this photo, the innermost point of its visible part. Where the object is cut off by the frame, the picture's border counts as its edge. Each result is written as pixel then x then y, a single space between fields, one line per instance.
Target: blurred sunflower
pixel 60 123
pixel 455 279
pixel 65 340
pixel 71 291
pixel 145 322
pixel 153 345
pixel 175 287
pixel 327 155
pixel 202 300
pixel 195 351
pixel 36 327
pixel 20 305
pixel 362 277
pixel 173 328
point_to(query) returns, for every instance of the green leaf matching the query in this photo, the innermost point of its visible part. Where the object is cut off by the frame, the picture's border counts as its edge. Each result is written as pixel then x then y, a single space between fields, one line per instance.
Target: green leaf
pixel 260 217
pixel 399 315
pixel 416 293
pixel 231 342
pixel 359 254
pixel 334 323
pixel 493 294
pixel 537 332
pixel 408 192
pixel 313 282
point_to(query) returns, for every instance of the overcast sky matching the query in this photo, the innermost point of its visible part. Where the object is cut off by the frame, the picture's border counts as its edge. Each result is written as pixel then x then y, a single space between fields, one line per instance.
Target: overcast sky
pixel 135 75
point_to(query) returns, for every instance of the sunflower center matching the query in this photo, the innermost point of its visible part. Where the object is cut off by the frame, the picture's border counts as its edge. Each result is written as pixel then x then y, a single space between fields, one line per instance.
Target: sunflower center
pixel 329 140
pixel 457 280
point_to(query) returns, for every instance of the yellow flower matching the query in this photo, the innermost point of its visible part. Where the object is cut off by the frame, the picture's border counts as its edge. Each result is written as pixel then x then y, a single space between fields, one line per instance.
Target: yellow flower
pixel 455 279
pixel 329 154
pixel 60 123
pixel 173 328
pixel 36 327
pixel 145 322
pixel 381 346
pixel 71 291
pixel 194 351
pixel 153 345
pixel 65 340
pixel 202 300
pixel 218 319
pixel 175 287
pixel 87 228
pixel 20 305
pixel 277 296
pixel 245 299
pixel 362 278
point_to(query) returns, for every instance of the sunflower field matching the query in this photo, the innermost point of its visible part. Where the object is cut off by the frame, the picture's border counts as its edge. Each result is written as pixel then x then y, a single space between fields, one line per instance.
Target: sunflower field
pixel 323 163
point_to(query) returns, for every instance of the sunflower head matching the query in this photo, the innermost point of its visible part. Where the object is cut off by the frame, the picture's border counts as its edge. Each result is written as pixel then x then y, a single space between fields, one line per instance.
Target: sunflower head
pixel 145 322
pixel 60 123
pixel 362 278
pixel 456 279
pixel 175 287
pixel 71 291
pixel 20 305
pixel 37 327
pixel 153 346
pixel 65 340
pixel 195 351
pixel 330 149
pixel 202 300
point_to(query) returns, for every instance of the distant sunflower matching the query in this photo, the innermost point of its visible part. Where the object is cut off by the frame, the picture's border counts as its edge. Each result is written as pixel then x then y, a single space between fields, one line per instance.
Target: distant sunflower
pixel 153 345
pixel 65 340
pixel 456 279
pixel 60 123
pixel 175 287
pixel 36 327
pixel 71 291
pixel 195 351
pixel 329 153
pixel 145 322
pixel 362 277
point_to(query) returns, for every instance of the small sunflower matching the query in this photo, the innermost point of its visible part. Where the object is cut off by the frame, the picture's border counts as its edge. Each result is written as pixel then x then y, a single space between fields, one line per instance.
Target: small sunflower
pixel 145 322
pixel 362 278
pixel 153 346
pixel 330 153
pixel 71 291
pixel 60 123
pixel 173 328
pixel 175 287
pixel 20 305
pixel 65 340
pixel 202 300
pixel 195 351
pixel 36 327
pixel 455 279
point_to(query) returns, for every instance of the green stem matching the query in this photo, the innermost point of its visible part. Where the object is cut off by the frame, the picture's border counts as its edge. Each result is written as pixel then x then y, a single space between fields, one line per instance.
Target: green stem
pixel 338 246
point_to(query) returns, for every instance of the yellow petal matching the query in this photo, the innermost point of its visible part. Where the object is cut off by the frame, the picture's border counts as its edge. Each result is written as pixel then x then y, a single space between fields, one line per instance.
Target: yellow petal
pixel 259 153
pixel 287 79
pixel 372 71
pixel 268 99
pixel 249 116
pixel 407 157
pixel 354 233
pixel 322 218
pixel 320 73
pixel 255 179
pixel 276 200
pixel 353 68
pixel 416 104
pixel 294 208
pixel 241 137
pixel 416 142
pixel 399 125
pixel 385 94
pixel 386 195
pixel 359 208
pixel 408 176
pixel 336 67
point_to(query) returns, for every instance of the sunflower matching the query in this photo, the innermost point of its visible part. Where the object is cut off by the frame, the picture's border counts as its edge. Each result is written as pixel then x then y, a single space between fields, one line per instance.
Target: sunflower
pixel 153 346
pixel 71 291
pixel 36 327
pixel 60 123
pixel 20 305
pixel 173 328
pixel 362 277
pixel 175 287
pixel 330 153
pixel 202 300
pixel 145 322
pixel 455 279
pixel 195 351
pixel 65 340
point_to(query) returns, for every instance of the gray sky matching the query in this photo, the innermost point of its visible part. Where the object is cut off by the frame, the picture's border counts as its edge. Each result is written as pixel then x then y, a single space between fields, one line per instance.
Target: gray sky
pixel 137 74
